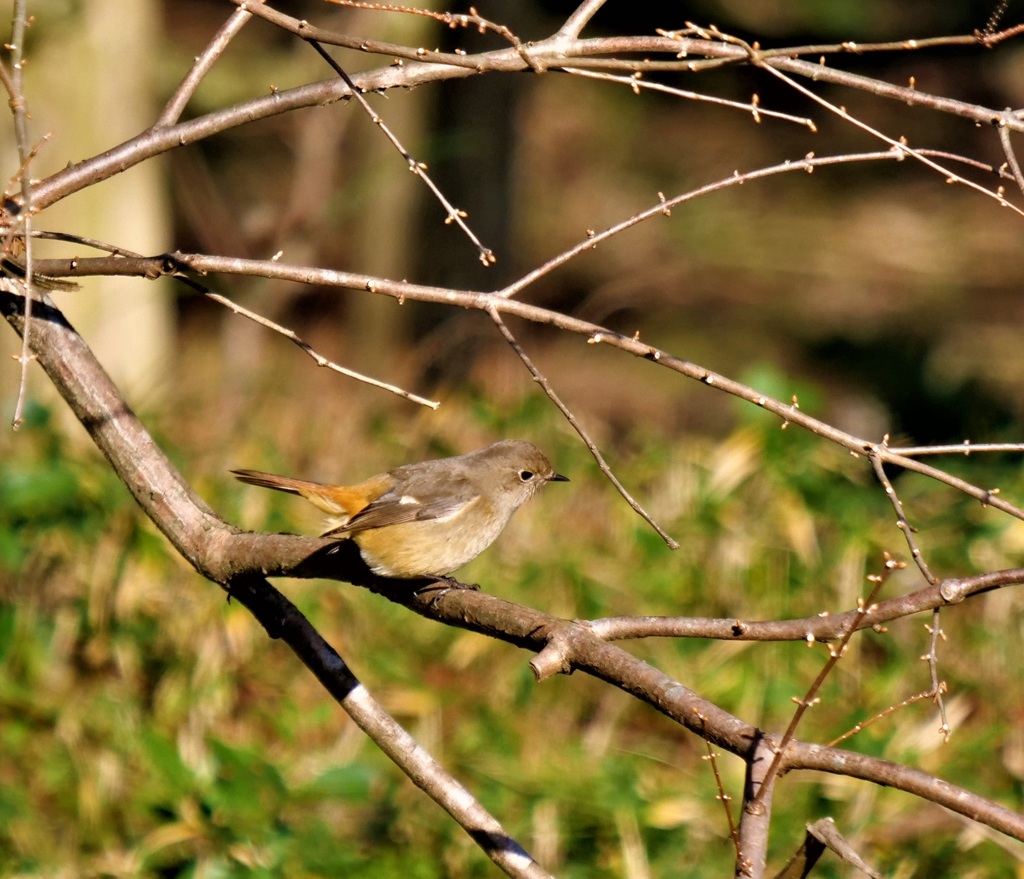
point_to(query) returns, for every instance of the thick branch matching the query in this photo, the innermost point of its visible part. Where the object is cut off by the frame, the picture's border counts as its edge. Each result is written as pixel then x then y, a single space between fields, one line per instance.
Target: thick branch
pixel 239 561
pixel 755 820
pixel 801 755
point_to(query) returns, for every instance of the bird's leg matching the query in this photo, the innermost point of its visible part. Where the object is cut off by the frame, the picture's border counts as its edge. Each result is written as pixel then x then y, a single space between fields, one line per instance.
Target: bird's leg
pixel 441 586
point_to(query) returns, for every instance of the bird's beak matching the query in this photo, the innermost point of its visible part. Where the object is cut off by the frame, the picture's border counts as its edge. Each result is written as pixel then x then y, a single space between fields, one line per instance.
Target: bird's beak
pixel 558 477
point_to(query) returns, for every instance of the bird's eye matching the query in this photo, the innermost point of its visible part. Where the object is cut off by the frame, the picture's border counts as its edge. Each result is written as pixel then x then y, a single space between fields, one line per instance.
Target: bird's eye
pixel 526 475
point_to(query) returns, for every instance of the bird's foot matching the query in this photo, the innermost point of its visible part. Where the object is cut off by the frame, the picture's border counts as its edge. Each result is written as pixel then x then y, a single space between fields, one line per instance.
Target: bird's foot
pixel 441 586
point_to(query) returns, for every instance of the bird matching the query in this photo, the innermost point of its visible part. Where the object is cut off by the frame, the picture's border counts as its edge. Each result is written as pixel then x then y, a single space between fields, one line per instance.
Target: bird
pixel 429 518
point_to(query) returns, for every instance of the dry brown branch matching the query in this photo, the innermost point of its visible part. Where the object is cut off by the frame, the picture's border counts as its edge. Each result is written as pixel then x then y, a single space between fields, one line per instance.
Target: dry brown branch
pixel 469 20
pixel 318 358
pixel 431 67
pixel 821 627
pixel 755 818
pixel 838 761
pixel 932 658
pixel 900 144
pixel 575 23
pixel 807 164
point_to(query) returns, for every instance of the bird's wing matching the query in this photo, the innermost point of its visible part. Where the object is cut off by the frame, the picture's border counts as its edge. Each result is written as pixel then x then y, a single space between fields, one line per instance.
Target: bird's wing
pixel 396 508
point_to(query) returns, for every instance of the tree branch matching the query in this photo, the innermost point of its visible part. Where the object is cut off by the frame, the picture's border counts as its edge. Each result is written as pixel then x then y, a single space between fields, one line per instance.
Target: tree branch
pixel 236 561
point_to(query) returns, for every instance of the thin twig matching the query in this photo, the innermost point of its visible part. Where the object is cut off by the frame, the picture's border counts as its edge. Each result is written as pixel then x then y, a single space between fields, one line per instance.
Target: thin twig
pixel 818 627
pixel 900 144
pixel 902 522
pixel 452 19
pixel 319 359
pixel 165 265
pixel 201 66
pixel 20 112
pixel 995 18
pixel 966 448
pixel 808 164
pixel 864 608
pixel 15 180
pixel 636 83
pixel 908 530
pixel 892 709
pixel 987 496
pixel 932 658
pixel 849 47
pixel 545 385
pixel 293 337
pixel 454 214
pixel 723 797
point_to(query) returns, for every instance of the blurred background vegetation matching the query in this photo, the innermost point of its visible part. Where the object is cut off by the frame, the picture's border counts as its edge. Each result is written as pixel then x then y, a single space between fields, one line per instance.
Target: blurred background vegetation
pixel 148 728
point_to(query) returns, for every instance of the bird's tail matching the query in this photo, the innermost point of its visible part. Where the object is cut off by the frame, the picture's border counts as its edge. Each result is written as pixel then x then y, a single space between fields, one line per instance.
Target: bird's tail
pixel 316 493
pixel 278 483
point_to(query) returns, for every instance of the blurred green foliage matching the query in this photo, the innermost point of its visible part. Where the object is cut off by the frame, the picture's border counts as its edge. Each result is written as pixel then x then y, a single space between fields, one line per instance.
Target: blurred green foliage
pixel 149 728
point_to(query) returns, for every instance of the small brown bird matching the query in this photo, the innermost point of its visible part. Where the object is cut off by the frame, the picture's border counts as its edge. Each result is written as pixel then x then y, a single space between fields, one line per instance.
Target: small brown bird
pixel 431 518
